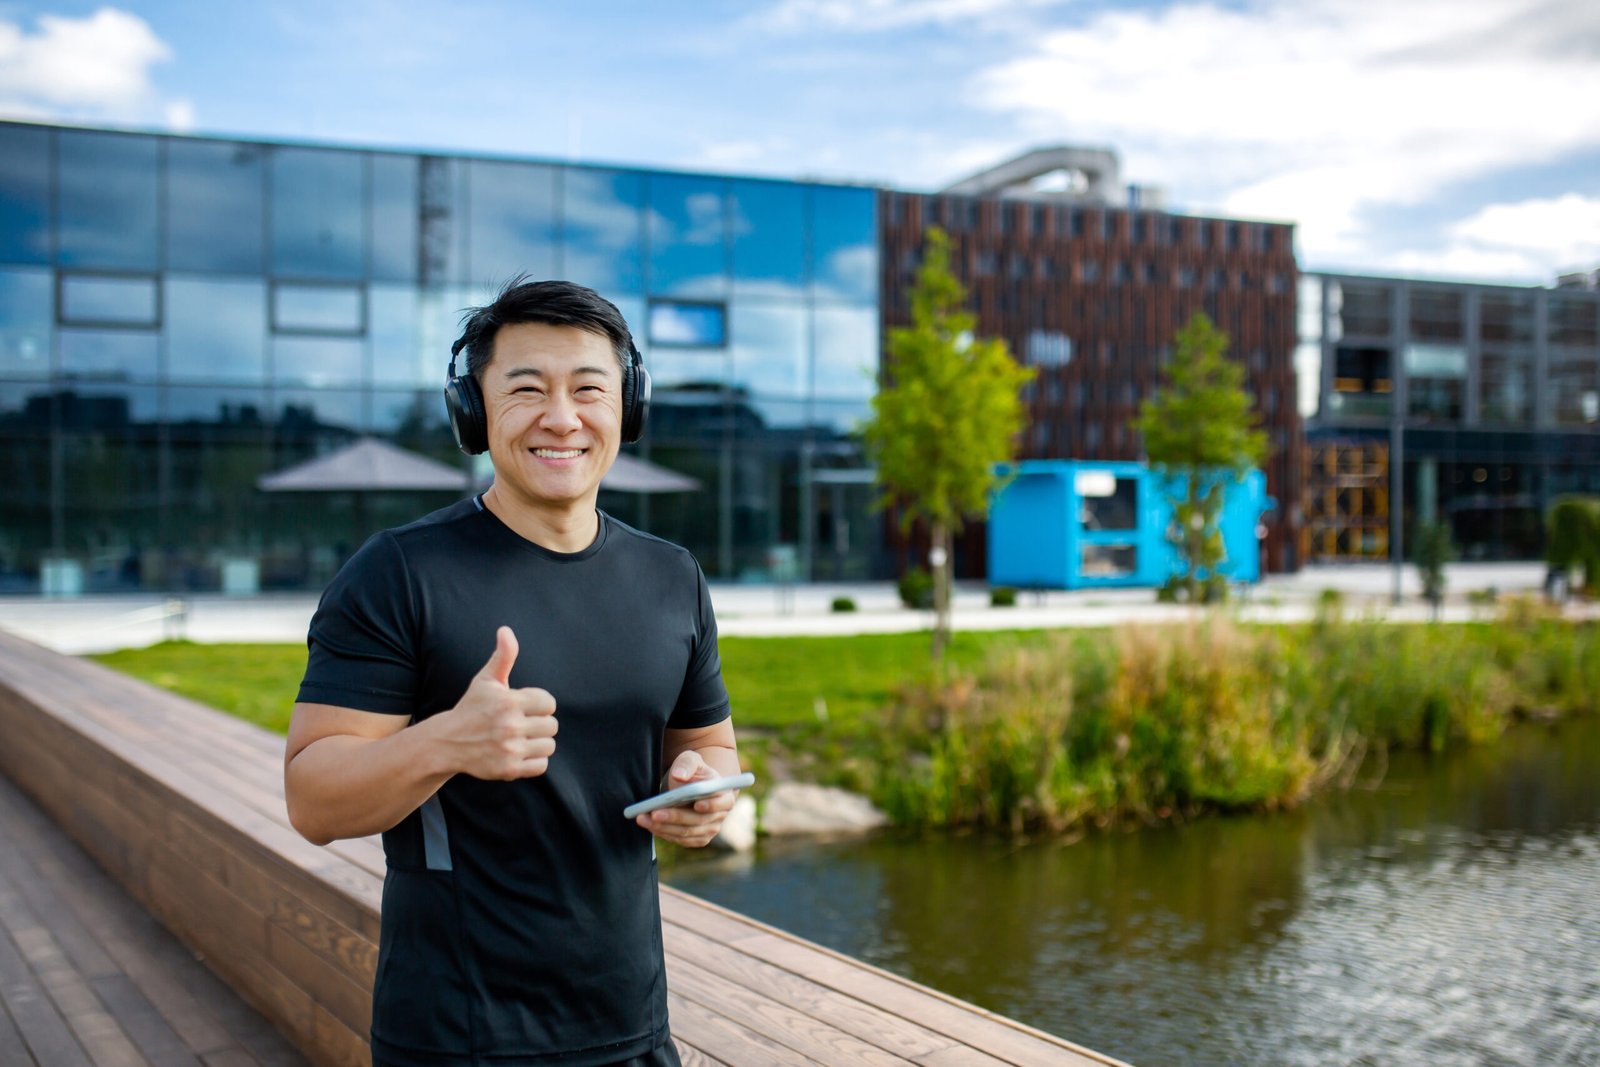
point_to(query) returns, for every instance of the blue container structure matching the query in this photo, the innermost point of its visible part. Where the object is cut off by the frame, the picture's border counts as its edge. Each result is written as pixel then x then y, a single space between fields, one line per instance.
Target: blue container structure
pixel 1072 524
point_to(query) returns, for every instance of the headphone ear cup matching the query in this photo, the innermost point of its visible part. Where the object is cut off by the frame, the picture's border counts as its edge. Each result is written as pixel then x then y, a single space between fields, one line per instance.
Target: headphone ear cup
pixel 463 402
pixel 635 399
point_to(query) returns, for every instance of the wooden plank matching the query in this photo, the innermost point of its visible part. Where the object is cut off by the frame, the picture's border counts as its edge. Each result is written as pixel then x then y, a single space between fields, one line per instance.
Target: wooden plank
pixel 12 1049
pixel 902 1037
pixel 728 1041
pixel 157 1041
pixel 49 1040
pixel 810 1035
pixel 693 1057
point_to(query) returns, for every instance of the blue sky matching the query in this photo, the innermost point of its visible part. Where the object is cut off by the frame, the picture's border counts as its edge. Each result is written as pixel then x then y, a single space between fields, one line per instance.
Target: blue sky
pixel 1439 138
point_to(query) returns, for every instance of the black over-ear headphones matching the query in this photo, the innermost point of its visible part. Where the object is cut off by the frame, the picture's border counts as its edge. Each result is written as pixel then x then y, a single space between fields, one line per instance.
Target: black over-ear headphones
pixel 463 401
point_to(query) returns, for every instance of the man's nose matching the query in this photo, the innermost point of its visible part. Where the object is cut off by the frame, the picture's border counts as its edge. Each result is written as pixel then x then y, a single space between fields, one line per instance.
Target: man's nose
pixel 561 414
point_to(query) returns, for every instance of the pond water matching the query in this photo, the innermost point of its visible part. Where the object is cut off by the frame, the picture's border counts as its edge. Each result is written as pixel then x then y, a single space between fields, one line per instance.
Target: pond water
pixel 1447 913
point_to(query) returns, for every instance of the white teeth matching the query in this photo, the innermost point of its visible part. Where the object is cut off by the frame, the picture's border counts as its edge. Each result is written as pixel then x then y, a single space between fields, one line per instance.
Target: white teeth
pixel 558 453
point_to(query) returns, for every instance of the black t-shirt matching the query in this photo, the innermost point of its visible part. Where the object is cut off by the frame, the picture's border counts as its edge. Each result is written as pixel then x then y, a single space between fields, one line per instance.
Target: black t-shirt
pixel 521 919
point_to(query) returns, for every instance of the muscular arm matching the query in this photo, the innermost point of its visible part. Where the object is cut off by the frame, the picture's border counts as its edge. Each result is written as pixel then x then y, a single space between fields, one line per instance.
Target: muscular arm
pixel 349 773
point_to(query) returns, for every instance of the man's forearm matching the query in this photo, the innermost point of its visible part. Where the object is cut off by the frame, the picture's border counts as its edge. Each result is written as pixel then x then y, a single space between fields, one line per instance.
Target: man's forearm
pixel 344 786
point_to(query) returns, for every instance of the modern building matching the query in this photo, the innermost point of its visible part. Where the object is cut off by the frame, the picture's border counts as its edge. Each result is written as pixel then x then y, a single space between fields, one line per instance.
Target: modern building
pixel 1485 398
pixel 1088 282
pixel 180 316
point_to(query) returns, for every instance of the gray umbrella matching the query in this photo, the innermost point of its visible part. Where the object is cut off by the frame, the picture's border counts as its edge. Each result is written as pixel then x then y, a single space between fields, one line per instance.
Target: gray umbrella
pixel 365 465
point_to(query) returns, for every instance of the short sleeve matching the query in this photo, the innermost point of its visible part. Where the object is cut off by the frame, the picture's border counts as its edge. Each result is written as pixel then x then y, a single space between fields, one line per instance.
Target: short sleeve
pixel 703 701
pixel 361 644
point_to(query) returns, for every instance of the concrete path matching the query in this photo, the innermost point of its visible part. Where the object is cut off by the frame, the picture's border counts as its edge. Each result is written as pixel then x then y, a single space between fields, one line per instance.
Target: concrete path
pixel 96 624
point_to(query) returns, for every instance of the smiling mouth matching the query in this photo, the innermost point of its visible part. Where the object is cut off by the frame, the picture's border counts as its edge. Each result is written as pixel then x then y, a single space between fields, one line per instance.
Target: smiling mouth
pixel 558 453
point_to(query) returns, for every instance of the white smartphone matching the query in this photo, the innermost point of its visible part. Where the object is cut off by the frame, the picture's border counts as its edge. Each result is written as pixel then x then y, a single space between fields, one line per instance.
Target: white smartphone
pixel 687 794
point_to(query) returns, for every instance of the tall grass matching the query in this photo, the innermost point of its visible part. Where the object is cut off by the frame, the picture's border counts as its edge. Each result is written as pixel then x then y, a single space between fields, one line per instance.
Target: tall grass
pixel 1161 722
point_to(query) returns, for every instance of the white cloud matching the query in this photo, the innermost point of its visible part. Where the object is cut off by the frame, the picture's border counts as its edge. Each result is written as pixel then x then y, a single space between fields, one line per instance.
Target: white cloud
pixel 95 66
pixel 1315 110
pixel 1527 240
pixel 875 15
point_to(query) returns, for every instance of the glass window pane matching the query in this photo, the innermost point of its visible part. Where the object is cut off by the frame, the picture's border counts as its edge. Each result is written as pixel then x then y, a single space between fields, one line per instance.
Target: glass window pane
pixel 769 238
pixel 844 244
pixel 216 330
pixel 395 214
pixel 215 201
pixel 303 417
pixel 99 405
pixel 201 411
pixel 415 420
pixel 697 369
pixel 847 352
pixel 769 350
pixel 25 314
pixel 97 300
pixel 1436 314
pixel 841 418
pixel 109 354
pixel 1364 310
pixel 603 230
pixel 1574 320
pixel 318 308
pixel 688 231
pixel 513 221
pixel 24 195
pixel 318 217
pixel 108 200
pixel 317 360
pixel 399 355
pixel 688 325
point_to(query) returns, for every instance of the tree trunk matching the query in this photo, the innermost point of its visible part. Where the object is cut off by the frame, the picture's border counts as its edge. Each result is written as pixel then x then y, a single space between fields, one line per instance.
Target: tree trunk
pixel 942 564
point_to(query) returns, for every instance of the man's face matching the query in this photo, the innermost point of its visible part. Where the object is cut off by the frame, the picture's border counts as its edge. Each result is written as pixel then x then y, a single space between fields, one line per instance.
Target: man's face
pixel 553 396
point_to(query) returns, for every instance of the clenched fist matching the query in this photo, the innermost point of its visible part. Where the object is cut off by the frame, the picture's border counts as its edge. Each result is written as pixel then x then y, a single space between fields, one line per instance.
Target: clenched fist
pixel 497 732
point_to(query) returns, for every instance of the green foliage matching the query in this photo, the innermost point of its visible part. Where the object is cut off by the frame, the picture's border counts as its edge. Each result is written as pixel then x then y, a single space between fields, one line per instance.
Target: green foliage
pixel 915 587
pixel 1573 541
pixel 1199 429
pixel 1433 550
pixel 1002 596
pixel 946 415
pixel 842 605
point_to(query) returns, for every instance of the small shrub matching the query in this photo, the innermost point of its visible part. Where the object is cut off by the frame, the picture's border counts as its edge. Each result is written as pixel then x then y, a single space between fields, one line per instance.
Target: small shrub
pixel 1002 596
pixel 842 605
pixel 916 588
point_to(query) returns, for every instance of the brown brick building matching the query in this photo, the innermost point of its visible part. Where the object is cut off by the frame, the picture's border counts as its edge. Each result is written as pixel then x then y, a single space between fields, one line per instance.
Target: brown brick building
pixel 1091 295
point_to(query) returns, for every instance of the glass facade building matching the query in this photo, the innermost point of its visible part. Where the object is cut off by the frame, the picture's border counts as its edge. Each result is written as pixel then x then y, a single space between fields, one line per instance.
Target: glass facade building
pixel 180 316
pixel 1488 396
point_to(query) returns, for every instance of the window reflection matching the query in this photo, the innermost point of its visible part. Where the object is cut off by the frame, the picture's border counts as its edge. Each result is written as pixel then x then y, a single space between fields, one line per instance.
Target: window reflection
pixel 602 230
pixel 399 356
pixel 394 217
pixel 844 249
pixel 214 206
pixel 847 352
pixel 209 411
pixel 24 194
pixel 318 216
pixel 108 202
pixel 317 360
pixel 301 418
pixel 101 300
pixel 25 313
pixel 698 368
pixel 681 324
pixel 769 350
pixel 688 230
pixel 122 355
pixel 769 238
pixel 336 309
pixel 513 220
pixel 216 329
pixel 840 417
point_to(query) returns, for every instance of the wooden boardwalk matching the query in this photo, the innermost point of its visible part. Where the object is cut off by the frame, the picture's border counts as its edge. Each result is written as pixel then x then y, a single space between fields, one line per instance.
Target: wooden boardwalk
pixel 184 807
pixel 88 977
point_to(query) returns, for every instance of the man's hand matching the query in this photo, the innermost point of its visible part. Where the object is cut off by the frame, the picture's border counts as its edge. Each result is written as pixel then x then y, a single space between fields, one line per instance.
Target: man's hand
pixel 497 732
pixel 691 825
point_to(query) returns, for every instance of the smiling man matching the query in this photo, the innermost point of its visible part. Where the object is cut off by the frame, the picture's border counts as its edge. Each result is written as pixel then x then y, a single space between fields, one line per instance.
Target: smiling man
pixel 521 922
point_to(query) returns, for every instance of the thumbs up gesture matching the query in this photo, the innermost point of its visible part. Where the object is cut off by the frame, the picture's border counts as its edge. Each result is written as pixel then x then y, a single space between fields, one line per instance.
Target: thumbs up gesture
pixel 498 732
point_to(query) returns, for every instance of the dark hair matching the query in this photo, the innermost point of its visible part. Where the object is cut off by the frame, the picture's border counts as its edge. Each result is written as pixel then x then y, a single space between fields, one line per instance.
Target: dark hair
pixel 556 303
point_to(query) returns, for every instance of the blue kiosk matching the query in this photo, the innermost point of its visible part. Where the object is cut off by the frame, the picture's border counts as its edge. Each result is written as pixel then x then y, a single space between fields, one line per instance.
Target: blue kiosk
pixel 1076 524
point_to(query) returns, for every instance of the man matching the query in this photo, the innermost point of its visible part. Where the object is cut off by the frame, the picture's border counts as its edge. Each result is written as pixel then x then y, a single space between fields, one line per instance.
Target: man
pixel 521 921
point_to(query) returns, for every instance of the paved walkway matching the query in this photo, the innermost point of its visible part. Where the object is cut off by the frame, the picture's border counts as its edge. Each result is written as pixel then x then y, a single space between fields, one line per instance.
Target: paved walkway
pixel 96 624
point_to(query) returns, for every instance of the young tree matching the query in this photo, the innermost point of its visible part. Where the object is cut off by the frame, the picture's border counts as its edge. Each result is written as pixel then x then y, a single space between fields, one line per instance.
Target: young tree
pixel 947 412
pixel 1199 431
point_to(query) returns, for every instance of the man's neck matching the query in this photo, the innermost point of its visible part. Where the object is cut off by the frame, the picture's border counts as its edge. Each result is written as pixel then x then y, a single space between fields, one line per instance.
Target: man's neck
pixel 565 529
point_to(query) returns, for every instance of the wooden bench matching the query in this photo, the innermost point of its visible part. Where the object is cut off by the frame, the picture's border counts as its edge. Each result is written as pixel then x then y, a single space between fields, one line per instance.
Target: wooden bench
pixel 183 806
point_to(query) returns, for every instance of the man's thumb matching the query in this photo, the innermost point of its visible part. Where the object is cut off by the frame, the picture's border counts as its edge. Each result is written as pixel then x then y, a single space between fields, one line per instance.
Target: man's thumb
pixel 505 655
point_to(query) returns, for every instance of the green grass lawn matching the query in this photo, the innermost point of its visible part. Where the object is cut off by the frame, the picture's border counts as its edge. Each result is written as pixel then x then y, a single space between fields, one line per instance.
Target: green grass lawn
pixel 777 683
